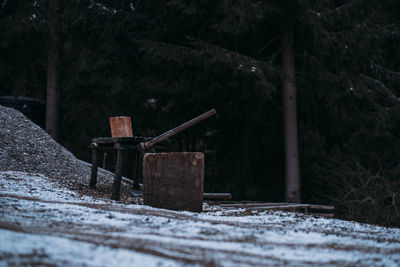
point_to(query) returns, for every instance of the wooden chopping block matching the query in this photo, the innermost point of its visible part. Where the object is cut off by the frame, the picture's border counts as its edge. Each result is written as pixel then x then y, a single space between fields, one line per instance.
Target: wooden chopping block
pixel 174 180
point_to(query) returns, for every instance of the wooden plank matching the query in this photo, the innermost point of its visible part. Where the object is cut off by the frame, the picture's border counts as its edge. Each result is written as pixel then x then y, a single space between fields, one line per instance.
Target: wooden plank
pixel 275 205
pixel 293 206
pixel 113 140
pixel 322 207
pixel 260 204
pixel 121 126
pixel 174 180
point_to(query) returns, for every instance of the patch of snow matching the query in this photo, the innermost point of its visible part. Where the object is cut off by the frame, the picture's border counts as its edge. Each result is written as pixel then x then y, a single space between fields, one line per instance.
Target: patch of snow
pixel 37 186
pixel 21 249
pixel 51 224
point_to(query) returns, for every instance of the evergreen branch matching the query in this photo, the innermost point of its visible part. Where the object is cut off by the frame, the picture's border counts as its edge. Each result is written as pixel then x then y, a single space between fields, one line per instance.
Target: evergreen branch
pixel 2 6
pixel 274 56
pixel 343 9
pixel 162 45
pixel 244 63
pixel 267 44
pixel 243 60
pixel 237 61
pixel 382 85
pixel 376 66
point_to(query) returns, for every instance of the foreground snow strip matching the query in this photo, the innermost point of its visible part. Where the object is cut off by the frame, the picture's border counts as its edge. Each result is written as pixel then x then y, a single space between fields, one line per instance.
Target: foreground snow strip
pixel 21 249
pixel 44 224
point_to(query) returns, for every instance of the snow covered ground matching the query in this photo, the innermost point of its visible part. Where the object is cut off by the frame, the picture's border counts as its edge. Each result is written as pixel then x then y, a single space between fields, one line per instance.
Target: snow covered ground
pixel 42 223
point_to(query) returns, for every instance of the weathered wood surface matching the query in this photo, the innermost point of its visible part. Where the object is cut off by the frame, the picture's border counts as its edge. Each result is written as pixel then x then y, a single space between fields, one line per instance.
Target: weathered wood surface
pixel 174 180
pixel 104 160
pixel 273 205
pixel 118 174
pixel 93 175
pixel 121 126
pixel 314 209
pixel 113 140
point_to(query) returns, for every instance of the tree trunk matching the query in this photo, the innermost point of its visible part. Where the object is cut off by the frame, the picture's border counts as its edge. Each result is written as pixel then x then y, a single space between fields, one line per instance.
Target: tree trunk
pixel 292 173
pixel 53 64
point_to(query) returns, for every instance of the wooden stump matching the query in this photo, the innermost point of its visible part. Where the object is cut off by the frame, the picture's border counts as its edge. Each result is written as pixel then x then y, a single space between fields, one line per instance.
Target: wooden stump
pixel 174 180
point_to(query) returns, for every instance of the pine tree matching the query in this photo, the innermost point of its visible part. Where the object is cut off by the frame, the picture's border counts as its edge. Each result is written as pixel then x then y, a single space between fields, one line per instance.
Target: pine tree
pixel 163 62
pixel 337 46
pixel 22 68
pixel 53 69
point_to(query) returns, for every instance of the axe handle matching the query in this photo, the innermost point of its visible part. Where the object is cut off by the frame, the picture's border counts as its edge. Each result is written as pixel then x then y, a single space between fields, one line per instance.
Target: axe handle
pixel 178 129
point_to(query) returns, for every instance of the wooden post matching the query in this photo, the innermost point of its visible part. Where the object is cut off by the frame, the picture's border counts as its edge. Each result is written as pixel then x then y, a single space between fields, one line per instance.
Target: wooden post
pixel 174 180
pixel 118 173
pixel 93 176
pixel 137 176
pixel 104 160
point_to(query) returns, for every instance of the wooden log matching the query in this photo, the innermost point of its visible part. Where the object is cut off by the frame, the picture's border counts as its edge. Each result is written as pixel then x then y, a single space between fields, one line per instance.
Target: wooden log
pixel 321 207
pixel 277 205
pixel 257 204
pixel 121 126
pixel 174 180
pixel 217 196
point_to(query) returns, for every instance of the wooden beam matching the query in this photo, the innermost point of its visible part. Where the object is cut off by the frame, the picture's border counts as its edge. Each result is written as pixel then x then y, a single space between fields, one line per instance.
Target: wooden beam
pixel 283 205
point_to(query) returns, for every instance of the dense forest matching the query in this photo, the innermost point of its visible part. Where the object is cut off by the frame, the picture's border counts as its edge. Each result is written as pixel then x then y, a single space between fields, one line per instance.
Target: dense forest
pixel 324 75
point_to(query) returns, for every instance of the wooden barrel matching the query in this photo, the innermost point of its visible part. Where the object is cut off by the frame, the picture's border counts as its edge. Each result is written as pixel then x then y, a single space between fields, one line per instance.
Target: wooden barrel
pixel 121 126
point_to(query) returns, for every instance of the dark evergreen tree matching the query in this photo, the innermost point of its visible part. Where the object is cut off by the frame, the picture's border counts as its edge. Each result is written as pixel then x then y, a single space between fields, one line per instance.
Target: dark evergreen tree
pixel 164 62
pixel 341 87
pixel 53 68
pixel 22 49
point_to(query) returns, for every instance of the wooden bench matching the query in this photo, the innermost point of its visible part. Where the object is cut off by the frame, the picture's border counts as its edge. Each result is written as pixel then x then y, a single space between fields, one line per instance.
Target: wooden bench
pixel 119 144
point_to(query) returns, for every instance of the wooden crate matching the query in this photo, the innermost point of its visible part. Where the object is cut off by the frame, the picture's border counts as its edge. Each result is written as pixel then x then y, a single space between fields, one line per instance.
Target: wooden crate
pixel 174 180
